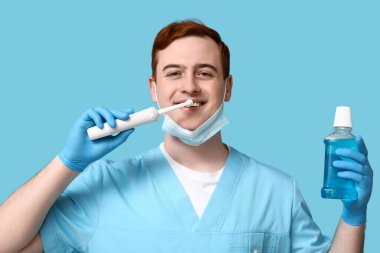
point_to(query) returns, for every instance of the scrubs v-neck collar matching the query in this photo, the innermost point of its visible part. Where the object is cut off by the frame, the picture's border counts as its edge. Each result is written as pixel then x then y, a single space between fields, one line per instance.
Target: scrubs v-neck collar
pixel 179 202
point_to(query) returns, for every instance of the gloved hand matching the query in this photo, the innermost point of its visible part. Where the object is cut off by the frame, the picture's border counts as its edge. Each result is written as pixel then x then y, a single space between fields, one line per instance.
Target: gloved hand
pixel 79 151
pixel 359 170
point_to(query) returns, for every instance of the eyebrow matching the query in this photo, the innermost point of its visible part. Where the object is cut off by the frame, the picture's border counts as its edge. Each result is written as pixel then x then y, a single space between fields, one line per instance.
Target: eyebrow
pixel 206 65
pixel 173 66
pixel 199 65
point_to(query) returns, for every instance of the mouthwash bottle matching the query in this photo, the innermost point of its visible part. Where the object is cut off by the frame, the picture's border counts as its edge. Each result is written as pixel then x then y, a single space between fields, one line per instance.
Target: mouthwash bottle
pixel 335 187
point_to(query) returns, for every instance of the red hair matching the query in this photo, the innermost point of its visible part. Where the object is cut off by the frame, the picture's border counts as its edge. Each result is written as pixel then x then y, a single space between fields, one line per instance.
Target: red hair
pixel 181 29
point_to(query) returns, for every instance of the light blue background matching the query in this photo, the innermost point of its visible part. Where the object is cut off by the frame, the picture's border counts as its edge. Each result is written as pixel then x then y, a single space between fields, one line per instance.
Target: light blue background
pixel 293 62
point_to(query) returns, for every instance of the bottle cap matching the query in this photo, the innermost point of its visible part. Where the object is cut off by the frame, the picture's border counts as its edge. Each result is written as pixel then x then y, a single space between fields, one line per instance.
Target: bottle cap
pixel 343 117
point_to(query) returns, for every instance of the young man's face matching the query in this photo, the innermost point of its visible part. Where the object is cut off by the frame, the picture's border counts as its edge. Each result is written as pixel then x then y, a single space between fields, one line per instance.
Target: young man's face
pixel 190 68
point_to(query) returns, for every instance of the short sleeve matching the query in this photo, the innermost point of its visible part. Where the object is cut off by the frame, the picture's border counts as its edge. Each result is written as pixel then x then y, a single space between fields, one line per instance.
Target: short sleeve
pixel 73 218
pixel 305 233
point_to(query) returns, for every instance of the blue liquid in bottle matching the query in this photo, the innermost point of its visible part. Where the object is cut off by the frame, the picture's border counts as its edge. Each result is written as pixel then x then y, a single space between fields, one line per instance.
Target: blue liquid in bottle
pixel 335 187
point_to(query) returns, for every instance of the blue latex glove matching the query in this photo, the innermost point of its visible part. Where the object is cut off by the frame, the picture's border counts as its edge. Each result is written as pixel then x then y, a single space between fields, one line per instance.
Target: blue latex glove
pixel 359 170
pixel 79 151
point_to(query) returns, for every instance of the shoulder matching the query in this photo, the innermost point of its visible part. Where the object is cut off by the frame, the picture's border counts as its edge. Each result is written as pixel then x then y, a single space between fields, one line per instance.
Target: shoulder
pixel 266 176
pixel 270 172
pixel 262 169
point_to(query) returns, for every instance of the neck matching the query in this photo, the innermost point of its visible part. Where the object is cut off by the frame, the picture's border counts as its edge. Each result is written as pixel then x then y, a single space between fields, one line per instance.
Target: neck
pixel 207 157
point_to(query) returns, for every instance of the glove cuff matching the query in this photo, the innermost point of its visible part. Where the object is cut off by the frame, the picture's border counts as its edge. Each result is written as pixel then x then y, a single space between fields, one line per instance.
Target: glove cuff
pixel 76 166
pixel 354 219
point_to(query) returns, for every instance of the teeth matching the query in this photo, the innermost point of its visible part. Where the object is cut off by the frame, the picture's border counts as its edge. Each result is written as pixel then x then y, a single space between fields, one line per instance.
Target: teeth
pixel 194 105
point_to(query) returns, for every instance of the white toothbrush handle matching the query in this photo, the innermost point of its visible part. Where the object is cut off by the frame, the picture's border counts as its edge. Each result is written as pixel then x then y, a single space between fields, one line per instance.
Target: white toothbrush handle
pixel 136 119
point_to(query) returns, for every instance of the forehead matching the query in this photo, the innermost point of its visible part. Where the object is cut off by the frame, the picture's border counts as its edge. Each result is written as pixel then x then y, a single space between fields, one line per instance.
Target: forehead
pixel 189 51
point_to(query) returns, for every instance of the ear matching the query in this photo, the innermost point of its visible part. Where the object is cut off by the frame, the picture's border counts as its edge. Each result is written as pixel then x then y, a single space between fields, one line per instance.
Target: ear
pixel 229 82
pixel 152 89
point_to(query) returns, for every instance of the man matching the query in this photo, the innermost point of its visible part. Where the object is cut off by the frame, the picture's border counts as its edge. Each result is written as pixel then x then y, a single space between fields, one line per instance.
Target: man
pixel 191 194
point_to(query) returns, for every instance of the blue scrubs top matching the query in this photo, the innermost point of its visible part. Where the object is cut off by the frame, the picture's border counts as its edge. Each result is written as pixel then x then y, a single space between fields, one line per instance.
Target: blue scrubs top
pixel 139 205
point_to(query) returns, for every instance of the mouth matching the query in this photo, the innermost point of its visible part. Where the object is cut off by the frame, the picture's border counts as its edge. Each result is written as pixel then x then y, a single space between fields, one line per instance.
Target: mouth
pixel 196 103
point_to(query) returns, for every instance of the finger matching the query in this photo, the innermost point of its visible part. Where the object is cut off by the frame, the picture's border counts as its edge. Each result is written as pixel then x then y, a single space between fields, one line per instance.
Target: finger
pixel 107 116
pixel 361 145
pixel 122 114
pixel 120 138
pixel 87 124
pixel 92 115
pixel 352 154
pixel 350 175
pixel 351 166
pixel 85 121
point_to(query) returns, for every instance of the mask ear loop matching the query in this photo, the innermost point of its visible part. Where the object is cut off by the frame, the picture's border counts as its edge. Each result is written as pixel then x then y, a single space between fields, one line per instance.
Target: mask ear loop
pixel 225 91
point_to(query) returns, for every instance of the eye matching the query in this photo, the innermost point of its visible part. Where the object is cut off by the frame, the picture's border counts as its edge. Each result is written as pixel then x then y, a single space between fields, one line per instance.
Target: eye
pixel 173 74
pixel 205 74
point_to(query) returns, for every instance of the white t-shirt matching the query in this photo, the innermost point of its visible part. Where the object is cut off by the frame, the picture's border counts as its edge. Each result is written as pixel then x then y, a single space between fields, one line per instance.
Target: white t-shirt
pixel 199 186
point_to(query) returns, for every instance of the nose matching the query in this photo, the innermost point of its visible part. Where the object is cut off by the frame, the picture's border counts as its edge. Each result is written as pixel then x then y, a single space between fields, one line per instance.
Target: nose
pixel 190 86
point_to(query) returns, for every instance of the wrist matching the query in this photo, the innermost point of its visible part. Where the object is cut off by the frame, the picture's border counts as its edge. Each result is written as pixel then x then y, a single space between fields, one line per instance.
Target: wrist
pixel 77 166
pixel 354 218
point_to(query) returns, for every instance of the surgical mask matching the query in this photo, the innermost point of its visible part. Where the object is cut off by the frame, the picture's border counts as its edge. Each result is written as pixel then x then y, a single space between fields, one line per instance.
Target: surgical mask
pixel 200 135
pixel 203 133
